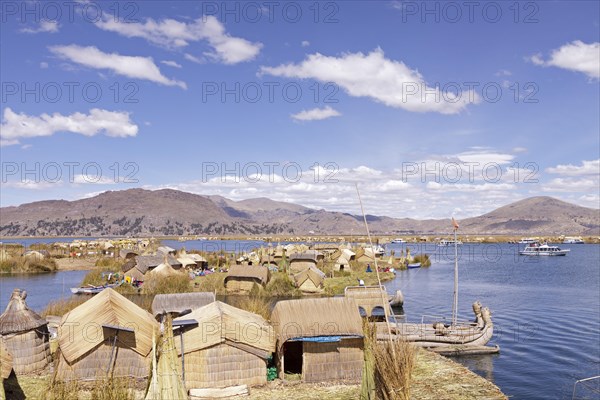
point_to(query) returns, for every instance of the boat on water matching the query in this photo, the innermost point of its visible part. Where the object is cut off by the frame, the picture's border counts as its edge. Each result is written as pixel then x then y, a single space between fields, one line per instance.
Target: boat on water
pixel 449 242
pixel 461 337
pixel 414 265
pixel 378 250
pixel 91 289
pixel 398 240
pixel 536 249
pixel 528 241
pixel 573 240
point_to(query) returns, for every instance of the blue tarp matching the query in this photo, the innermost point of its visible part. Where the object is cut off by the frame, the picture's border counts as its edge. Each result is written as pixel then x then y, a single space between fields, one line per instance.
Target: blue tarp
pixel 322 339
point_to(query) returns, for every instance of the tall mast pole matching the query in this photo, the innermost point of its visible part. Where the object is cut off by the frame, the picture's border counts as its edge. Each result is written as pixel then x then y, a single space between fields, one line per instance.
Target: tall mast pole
pixel 455 303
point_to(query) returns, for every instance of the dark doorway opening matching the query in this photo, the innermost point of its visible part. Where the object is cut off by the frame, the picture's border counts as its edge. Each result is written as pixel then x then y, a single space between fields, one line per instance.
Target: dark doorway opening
pixel 292 357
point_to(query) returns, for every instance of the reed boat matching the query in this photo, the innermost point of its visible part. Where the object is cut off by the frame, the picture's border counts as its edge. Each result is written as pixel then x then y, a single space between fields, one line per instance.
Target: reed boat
pixel 91 289
pixel 438 334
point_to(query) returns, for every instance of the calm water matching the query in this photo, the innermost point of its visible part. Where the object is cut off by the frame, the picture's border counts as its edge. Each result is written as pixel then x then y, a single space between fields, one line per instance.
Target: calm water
pixel 546 310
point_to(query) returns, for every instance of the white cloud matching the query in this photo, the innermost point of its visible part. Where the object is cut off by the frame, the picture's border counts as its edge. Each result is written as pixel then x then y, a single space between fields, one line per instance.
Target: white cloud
pixel 575 56
pixel 171 33
pixel 43 65
pixel 372 75
pixel 193 59
pixel 503 72
pixel 20 126
pixel 305 43
pixel 591 167
pixel 44 27
pixel 29 184
pixel 571 185
pixel 316 114
pixel 171 63
pixel 485 157
pixel 129 66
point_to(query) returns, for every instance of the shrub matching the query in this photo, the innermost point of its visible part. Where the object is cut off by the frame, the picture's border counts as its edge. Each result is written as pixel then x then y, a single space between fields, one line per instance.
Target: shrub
pixel 177 283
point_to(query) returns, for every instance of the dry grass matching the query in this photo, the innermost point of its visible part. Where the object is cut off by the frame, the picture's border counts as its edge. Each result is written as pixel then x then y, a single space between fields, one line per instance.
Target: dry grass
pixel 394 363
pixel 176 283
pixel 336 285
pixel 63 306
pixel 211 283
pixel 281 285
pixel 27 265
pixel 423 259
pixel 256 304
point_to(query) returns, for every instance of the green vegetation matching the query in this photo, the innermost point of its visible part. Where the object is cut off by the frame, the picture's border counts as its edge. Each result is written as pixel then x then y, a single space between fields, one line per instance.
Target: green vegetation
pixel 214 282
pixel 337 284
pixel 281 285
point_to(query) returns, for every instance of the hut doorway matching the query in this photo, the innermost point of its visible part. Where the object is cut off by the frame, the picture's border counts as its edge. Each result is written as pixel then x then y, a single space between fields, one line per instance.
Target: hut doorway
pixel 292 357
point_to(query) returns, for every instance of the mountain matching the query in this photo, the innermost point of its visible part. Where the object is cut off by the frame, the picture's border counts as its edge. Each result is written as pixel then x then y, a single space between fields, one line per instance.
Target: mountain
pixel 169 212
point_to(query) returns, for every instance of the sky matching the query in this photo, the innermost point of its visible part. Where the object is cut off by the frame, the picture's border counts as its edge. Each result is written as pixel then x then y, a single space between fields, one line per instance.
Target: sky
pixel 430 108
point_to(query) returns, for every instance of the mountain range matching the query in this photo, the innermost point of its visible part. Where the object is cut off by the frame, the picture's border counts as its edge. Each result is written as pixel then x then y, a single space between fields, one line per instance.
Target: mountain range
pixel 167 212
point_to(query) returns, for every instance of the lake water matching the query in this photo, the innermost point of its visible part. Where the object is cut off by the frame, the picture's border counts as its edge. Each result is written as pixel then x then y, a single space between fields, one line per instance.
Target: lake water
pixel 546 310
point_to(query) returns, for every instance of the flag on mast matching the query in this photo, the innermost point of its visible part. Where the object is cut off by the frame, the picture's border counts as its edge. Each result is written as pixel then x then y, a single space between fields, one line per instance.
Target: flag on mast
pixel 454 223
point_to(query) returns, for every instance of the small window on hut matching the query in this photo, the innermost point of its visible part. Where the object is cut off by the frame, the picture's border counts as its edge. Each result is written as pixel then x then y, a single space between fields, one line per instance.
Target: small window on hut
pixel 292 357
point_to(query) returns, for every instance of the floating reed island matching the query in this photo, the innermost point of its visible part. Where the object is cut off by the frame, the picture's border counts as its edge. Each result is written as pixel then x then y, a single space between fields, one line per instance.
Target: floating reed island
pixel 194 346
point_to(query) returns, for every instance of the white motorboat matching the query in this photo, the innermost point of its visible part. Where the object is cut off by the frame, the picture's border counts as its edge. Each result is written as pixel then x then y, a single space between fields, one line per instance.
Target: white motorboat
pixel 527 241
pixel 398 240
pixel 536 249
pixel 448 242
pixel 573 240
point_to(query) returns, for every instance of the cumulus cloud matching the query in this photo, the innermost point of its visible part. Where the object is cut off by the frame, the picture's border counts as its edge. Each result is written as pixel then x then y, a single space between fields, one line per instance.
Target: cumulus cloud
pixel 129 66
pixel 316 114
pixel 44 27
pixel 175 34
pixel 575 56
pixel 374 76
pixel 21 126
pixel 305 43
pixel 591 167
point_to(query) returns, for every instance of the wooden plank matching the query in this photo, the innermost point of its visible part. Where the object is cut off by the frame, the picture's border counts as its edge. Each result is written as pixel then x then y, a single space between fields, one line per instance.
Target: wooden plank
pixel 198 394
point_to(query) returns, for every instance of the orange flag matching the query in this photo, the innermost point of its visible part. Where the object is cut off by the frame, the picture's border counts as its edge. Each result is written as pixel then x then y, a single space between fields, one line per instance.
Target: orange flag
pixel 454 223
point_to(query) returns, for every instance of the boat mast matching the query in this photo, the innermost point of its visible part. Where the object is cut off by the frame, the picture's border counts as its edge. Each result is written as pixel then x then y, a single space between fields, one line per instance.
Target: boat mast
pixel 455 303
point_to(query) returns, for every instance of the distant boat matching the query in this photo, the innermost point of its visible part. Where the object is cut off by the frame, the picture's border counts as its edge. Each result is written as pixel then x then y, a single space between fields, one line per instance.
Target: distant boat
pixel 91 289
pixel 377 249
pixel 536 249
pixel 573 240
pixel 448 242
pixel 527 241
pixel 398 240
pixel 414 265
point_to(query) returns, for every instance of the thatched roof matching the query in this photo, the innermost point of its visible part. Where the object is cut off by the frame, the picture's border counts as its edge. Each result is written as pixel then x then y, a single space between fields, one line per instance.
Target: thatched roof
pixel 18 317
pixel 6 361
pixel 127 253
pixel 257 272
pixel 81 330
pixel 221 323
pixel 308 255
pixel 164 270
pixel 313 273
pixel 166 250
pixel 144 263
pixel 187 261
pixel 176 303
pixel 334 316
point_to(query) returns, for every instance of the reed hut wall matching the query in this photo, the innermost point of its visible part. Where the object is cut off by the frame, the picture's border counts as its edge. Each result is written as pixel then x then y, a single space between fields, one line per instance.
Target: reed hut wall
pixel 336 361
pixel 96 363
pixel 223 365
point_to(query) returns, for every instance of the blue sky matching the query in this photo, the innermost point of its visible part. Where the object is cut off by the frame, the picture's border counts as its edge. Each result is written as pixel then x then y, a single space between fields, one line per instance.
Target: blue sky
pixel 298 101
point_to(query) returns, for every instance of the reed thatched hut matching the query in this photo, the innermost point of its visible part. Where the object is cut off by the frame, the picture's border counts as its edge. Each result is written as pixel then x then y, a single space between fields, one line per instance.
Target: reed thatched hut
pixel 242 278
pixel 300 261
pixel 25 334
pixel 180 302
pixel 227 347
pixel 370 300
pixel 310 280
pixel 321 339
pixel 106 335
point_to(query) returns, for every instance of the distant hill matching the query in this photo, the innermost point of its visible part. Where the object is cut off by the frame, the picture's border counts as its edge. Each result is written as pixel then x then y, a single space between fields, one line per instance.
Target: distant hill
pixel 171 212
